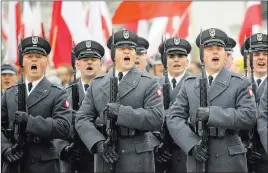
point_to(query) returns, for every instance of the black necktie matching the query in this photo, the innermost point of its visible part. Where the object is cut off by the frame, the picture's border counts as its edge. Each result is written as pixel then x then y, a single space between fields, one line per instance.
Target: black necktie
pixel 258 82
pixel 120 76
pixel 86 86
pixel 210 79
pixel 174 82
pixel 30 86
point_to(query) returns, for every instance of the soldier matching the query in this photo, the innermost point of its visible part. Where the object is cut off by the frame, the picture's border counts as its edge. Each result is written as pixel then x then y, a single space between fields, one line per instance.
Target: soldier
pixel 141 53
pixel 231 108
pixel 139 111
pixel 262 119
pixel 8 76
pixel 259 46
pixel 229 49
pixel 177 50
pixel 45 119
pixel 88 54
pixel 157 66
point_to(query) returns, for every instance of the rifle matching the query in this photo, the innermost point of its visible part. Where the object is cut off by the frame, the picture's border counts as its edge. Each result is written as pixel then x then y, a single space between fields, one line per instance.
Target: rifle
pixel 245 60
pixel 18 133
pixel 202 130
pixel 110 126
pixel 252 137
pixel 166 93
pixel 75 105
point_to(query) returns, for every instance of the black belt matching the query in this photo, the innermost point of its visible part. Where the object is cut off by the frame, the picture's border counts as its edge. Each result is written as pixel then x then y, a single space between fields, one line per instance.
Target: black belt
pixel 219 132
pixel 29 138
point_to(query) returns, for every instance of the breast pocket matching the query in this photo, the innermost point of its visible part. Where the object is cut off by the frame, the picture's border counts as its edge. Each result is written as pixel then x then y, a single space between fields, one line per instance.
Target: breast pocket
pixel 236 149
pixel 143 146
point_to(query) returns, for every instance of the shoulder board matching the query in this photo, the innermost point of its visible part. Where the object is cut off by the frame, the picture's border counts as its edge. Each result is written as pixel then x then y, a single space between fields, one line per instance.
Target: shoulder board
pixel 58 86
pixel 11 87
pixel 70 86
pixel 240 76
pixel 146 74
pixel 191 77
pixel 98 77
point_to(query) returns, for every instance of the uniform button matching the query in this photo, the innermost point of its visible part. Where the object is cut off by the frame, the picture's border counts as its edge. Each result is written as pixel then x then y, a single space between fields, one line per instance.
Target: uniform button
pixel 216 155
pixel 123 151
pixel 32 161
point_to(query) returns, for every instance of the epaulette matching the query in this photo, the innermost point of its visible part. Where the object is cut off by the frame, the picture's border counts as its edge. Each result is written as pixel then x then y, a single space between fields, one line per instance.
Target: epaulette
pixel 11 87
pixel 146 74
pixel 70 86
pixel 190 77
pixel 58 86
pixel 238 75
pixel 98 77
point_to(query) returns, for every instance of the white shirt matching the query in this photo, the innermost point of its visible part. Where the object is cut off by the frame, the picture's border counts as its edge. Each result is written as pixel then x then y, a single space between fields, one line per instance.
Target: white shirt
pixel 124 74
pixel 214 77
pixel 34 83
pixel 178 79
pixel 83 85
pixel 262 79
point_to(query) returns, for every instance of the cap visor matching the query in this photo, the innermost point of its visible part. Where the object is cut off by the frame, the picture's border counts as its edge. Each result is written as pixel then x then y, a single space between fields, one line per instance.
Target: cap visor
pixel 177 53
pixel 8 72
pixel 35 51
pixel 216 43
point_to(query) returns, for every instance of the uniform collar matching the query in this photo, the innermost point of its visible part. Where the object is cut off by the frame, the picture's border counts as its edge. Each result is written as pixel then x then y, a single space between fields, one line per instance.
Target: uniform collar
pixel 178 78
pixel 34 84
pixel 83 84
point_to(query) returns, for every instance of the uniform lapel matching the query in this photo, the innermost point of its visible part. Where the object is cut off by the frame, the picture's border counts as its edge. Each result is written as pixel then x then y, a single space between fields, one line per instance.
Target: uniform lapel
pixel 129 82
pixel 220 84
pixel 81 91
pixel 40 91
pixel 197 86
pixel 175 91
pixel 260 90
pixel 105 87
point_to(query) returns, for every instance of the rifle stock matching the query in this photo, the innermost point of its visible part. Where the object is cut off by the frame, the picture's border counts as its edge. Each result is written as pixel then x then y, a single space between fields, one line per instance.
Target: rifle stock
pixel 75 106
pixel 201 128
pixel 110 126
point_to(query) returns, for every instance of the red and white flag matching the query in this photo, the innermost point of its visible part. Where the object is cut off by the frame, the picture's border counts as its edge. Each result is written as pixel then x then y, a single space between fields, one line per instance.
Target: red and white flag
pixel 38 25
pixel 141 27
pixel 67 24
pixel 99 25
pixel 4 26
pixel 252 21
pixel 14 26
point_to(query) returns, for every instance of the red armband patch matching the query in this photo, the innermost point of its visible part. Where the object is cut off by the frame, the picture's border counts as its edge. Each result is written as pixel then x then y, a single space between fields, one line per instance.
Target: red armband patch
pixel 66 103
pixel 250 93
pixel 158 92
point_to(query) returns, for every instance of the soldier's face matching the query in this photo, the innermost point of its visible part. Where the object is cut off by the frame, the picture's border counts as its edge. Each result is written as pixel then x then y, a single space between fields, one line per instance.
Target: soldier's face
pixel 7 80
pixel 141 61
pixel 157 70
pixel 34 66
pixel 176 64
pixel 260 62
pixel 214 58
pixel 89 67
pixel 229 60
pixel 125 58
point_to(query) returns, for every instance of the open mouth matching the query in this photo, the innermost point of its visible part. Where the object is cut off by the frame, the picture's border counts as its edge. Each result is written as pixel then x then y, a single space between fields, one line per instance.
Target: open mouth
pixel 6 82
pixel 176 65
pixel 261 64
pixel 89 68
pixel 127 59
pixel 215 59
pixel 137 63
pixel 34 67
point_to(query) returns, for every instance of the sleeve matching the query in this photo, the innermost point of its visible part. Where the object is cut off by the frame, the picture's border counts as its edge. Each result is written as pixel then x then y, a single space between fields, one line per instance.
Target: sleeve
pixel 177 124
pixel 84 122
pixel 243 116
pixel 262 119
pixel 5 143
pixel 150 117
pixel 56 126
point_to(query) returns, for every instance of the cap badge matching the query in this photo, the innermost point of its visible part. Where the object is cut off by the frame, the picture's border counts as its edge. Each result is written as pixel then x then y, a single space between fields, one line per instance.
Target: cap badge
pixel 34 40
pixel 88 44
pixel 212 32
pixel 126 34
pixel 177 40
pixel 259 36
